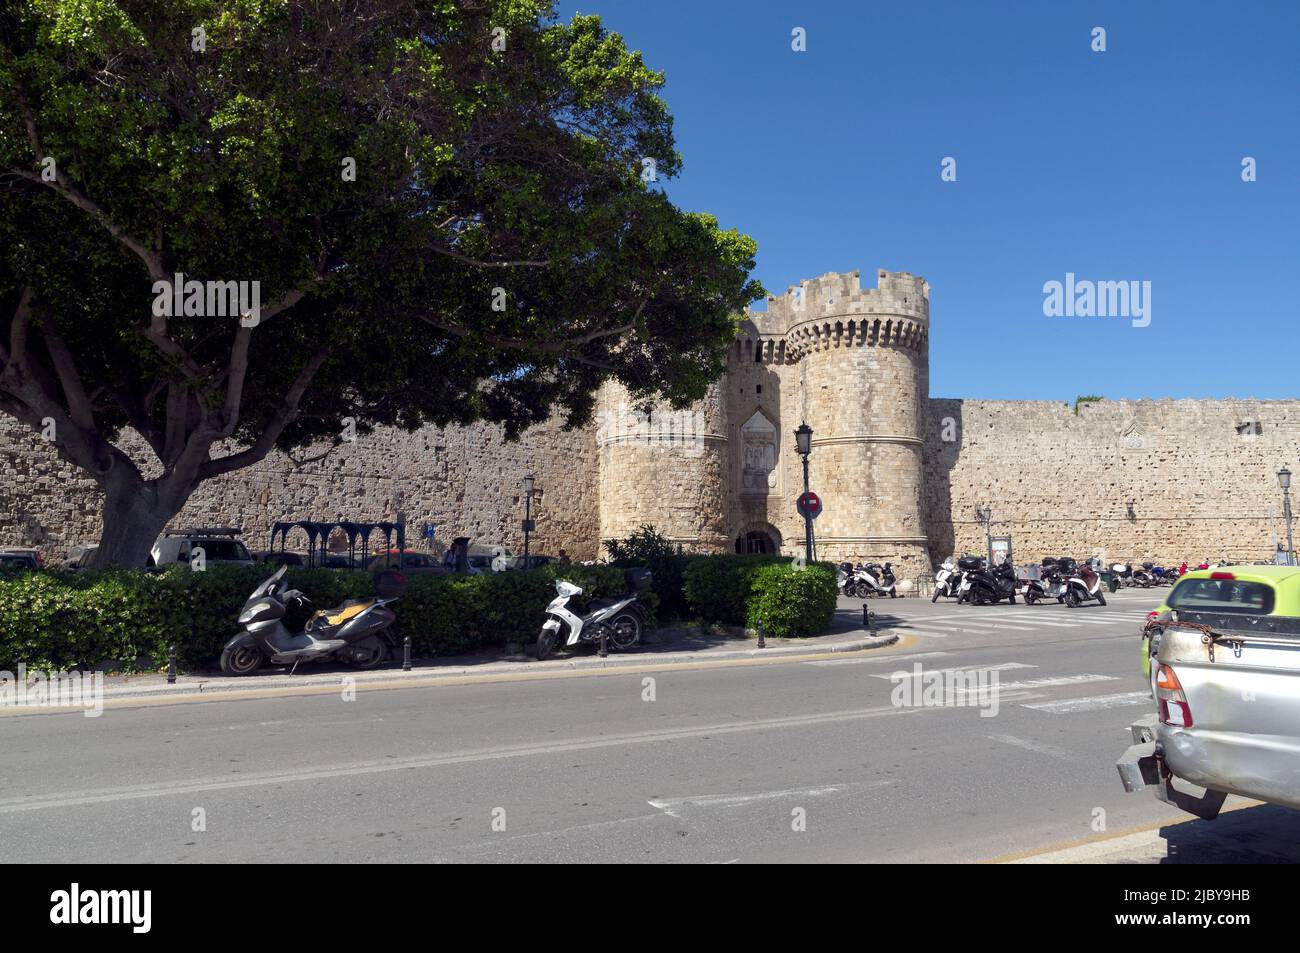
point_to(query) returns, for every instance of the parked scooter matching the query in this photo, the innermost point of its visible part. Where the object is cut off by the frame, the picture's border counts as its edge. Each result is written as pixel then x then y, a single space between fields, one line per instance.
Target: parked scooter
pixel 876 580
pixel 946 581
pixel 359 632
pixel 1144 577
pixel 967 568
pixel 573 619
pixel 1124 573
pixel 1048 585
pixel 1083 584
pixel 994 584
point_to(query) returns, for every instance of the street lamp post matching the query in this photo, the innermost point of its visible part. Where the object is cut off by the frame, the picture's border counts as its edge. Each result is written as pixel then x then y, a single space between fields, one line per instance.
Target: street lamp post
pixel 803 446
pixel 529 482
pixel 985 514
pixel 1284 481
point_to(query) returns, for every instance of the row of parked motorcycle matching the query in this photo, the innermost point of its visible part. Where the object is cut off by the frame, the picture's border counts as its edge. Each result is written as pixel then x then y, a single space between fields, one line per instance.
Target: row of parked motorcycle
pixel 867 579
pixel 973 580
pixel 1069 581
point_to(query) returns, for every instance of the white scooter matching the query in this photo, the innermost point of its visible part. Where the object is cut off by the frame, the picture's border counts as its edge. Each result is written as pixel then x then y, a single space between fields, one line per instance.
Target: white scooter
pixel 946 581
pixel 1084 585
pixel 876 580
pixel 620 619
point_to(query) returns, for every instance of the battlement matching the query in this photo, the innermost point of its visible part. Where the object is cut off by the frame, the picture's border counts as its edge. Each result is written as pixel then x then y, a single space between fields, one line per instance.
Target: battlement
pixel 837 294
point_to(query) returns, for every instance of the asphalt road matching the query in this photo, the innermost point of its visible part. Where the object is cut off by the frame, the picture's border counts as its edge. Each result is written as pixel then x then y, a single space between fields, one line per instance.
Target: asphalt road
pixel 698 764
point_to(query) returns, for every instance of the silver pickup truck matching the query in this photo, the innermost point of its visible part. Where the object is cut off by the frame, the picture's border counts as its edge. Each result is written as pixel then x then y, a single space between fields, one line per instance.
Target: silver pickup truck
pixel 1226 651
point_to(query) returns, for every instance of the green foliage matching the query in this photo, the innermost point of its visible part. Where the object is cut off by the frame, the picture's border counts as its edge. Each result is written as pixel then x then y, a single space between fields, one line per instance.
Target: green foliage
pixel 476 169
pixel 719 588
pixel 66 620
pixel 659 554
pixel 1086 399
pixel 793 601
pixel 83 619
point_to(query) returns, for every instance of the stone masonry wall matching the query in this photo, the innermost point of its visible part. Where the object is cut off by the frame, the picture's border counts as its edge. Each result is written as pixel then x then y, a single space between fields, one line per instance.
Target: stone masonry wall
pixel 1060 482
pixel 466 481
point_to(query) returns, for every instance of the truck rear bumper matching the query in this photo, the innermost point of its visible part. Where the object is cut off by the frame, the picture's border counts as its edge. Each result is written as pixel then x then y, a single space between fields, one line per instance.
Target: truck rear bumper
pixel 1143 764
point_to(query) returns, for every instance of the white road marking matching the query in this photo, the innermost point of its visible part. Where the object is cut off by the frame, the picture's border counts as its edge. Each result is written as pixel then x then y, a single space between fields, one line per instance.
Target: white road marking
pixel 1001 667
pixel 673 806
pixel 1070 706
pixel 1035 746
pixel 56 799
pixel 1055 682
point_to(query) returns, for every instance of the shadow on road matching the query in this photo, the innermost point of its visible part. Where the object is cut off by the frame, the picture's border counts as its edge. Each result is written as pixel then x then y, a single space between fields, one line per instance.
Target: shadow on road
pixel 1263 834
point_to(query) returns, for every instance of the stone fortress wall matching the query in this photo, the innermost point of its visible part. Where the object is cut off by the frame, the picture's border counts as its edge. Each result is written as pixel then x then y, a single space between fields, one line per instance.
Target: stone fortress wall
pixel 464 480
pixel 900 473
pixel 1201 475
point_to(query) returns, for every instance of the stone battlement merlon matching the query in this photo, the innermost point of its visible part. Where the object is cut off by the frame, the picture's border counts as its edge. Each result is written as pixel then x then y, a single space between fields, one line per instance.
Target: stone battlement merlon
pixel 837 294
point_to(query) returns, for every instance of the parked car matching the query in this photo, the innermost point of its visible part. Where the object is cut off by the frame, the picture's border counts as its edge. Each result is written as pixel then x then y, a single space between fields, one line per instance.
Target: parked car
pixel 490 557
pixel 27 551
pixel 412 560
pixel 530 562
pixel 1223 656
pixel 278 558
pixel 21 558
pixel 219 546
pixel 79 557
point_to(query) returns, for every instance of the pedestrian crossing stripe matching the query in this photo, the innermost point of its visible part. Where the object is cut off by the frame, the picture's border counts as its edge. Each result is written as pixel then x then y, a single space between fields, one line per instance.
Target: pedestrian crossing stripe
pixel 1069 706
pixel 1000 667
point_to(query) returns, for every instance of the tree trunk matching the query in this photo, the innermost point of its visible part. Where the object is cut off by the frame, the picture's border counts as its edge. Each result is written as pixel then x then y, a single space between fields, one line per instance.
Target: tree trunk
pixel 134 515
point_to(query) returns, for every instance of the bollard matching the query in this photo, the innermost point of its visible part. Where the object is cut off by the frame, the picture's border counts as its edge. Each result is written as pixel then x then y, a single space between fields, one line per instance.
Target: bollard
pixel 171 664
pixel 406 654
pixel 603 651
pixel 866 618
pixel 762 642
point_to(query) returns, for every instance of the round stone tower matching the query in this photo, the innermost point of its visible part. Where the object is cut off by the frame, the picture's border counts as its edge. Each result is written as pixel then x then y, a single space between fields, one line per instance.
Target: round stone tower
pixel 663 467
pixel 861 359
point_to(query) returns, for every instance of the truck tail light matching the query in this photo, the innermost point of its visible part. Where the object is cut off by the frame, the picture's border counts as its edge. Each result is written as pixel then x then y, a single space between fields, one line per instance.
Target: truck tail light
pixel 1174 710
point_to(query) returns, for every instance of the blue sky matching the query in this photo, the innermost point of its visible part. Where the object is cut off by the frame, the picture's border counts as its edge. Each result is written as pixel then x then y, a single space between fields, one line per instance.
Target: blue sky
pixel 1122 165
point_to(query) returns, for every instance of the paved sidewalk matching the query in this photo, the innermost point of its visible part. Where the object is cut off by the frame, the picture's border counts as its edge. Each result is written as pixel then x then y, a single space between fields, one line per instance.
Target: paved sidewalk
pixel 667 648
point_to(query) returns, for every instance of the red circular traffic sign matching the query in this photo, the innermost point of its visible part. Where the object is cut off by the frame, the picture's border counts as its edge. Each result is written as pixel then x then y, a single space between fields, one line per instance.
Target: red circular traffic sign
pixel 809 504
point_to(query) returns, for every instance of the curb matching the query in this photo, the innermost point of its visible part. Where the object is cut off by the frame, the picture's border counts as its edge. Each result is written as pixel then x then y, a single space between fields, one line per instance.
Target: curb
pixel 487 672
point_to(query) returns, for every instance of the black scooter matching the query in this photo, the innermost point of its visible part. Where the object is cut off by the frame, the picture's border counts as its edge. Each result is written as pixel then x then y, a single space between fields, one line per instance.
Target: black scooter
pixel 359 632
pixel 993 585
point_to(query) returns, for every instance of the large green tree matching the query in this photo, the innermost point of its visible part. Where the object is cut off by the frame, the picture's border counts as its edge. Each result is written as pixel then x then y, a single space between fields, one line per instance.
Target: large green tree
pixel 451 210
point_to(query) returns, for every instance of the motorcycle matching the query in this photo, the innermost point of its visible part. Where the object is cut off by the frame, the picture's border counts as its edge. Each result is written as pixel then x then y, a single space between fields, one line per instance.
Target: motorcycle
pixel 1144 577
pixel 946 581
pixel 1083 585
pixel 1048 585
pixel 621 619
pixel 993 585
pixel 358 633
pixel 1124 573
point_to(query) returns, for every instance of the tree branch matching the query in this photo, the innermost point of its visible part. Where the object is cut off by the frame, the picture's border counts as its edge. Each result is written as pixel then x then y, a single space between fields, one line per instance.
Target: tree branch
pixel 281 417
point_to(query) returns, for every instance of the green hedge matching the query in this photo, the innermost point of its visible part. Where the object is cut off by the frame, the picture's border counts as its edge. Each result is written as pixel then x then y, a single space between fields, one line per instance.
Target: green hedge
pixel 67 620
pixel 740 590
pixel 792 601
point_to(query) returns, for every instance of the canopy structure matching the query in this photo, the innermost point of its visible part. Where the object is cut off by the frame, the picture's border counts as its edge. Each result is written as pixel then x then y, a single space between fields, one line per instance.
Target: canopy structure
pixel 318 534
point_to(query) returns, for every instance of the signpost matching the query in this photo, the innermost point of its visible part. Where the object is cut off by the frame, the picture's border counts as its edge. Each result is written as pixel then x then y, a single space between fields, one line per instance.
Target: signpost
pixel 809 505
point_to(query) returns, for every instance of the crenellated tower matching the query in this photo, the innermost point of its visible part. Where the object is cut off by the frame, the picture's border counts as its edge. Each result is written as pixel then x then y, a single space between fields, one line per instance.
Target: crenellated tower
pixel 853 363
